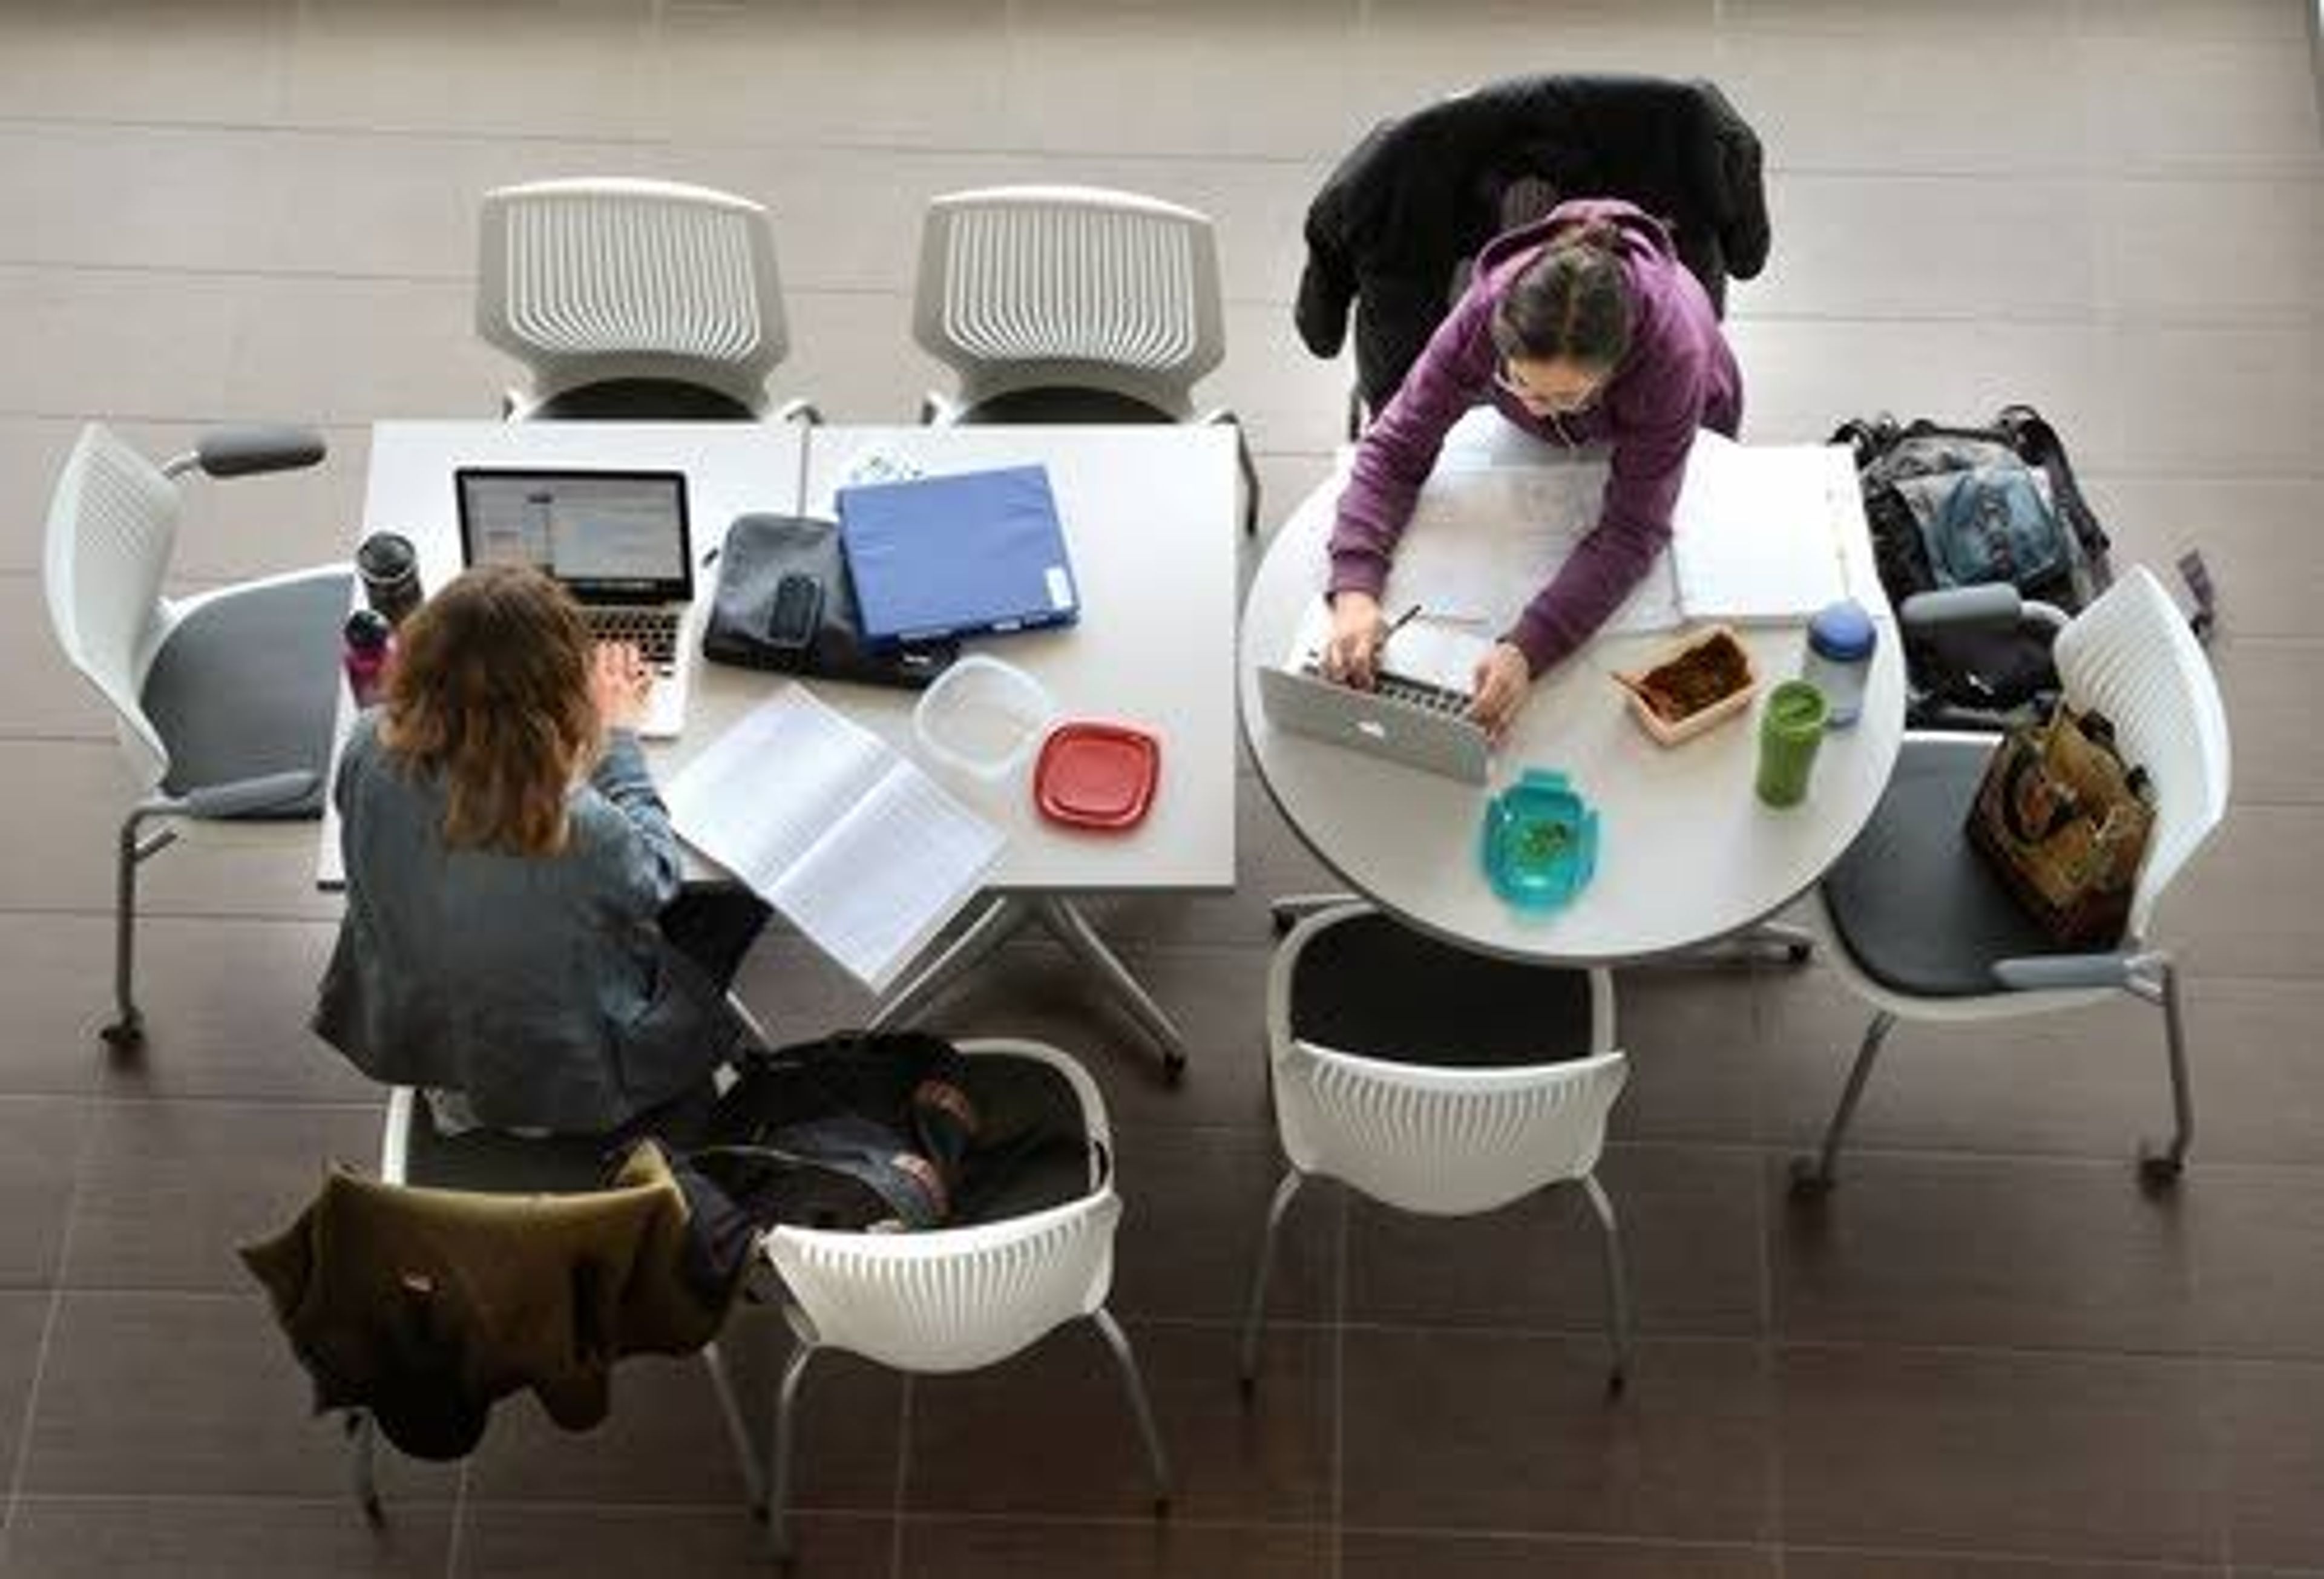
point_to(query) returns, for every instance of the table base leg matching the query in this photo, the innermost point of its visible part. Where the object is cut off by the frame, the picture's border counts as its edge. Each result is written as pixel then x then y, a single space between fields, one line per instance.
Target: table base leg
pixel 1001 921
pixel 1793 945
pixel 1002 918
pixel 1071 928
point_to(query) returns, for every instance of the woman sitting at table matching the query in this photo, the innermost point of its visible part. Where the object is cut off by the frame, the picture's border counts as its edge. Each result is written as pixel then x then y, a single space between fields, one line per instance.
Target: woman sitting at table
pixel 516 938
pixel 1582 327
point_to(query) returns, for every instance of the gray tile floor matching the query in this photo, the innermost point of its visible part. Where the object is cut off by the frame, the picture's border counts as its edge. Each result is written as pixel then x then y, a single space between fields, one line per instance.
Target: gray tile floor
pixel 1990 1356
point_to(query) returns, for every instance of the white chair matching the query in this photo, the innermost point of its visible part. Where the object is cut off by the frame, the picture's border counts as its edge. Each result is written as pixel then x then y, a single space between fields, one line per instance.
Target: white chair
pixel 629 298
pixel 957 1300
pixel 1071 304
pixel 222 701
pixel 491 1163
pixel 1436 1082
pixel 1921 930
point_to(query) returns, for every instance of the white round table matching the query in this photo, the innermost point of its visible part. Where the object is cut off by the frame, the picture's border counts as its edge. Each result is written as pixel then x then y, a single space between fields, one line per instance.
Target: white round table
pixel 1687 853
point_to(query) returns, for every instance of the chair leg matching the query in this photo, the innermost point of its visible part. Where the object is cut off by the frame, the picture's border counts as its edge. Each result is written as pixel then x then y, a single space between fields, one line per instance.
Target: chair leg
pixel 127 1033
pixel 1244 463
pixel 2159 1169
pixel 1134 1385
pixel 778 1479
pixel 1617 1281
pixel 1256 1314
pixel 1813 1179
pixel 1249 469
pixel 729 1410
pixel 363 1438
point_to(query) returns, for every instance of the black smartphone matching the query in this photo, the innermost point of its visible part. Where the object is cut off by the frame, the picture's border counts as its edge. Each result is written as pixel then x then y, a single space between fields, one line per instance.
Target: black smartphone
pixel 797 613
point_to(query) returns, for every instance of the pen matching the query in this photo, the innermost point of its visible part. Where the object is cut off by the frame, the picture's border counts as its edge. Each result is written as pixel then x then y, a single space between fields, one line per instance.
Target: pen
pixel 1399 622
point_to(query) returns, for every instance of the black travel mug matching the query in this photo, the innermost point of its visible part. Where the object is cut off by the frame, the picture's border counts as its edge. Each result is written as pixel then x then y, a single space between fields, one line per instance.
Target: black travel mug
pixel 390 569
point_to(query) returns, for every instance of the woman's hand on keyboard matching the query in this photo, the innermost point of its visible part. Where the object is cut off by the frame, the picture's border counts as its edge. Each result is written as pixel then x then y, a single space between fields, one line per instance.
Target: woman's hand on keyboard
pixel 619 682
pixel 1503 681
pixel 1357 632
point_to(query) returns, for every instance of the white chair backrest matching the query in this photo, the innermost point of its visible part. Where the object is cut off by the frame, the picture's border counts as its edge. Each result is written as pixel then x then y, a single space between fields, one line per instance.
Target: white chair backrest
pixel 952 1299
pixel 113 525
pixel 1445 1141
pixel 2131 657
pixel 1022 286
pixel 596 279
pixel 957 1299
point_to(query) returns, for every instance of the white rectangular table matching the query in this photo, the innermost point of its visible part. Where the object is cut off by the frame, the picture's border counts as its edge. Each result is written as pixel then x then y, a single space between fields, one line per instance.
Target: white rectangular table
pixel 1149 521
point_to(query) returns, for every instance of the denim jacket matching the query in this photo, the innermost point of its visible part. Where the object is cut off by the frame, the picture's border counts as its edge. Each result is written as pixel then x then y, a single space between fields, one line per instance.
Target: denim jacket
pixel 539 986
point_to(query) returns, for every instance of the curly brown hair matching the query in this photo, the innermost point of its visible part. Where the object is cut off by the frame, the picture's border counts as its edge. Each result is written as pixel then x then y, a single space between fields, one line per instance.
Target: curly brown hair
pixel 490 688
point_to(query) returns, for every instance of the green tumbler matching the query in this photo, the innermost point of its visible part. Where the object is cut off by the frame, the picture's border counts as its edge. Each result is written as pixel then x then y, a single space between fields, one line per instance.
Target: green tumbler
pixel 1789 732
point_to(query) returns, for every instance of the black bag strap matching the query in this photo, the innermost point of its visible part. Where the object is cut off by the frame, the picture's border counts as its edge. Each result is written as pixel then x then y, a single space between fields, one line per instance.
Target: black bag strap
pixel 2031 435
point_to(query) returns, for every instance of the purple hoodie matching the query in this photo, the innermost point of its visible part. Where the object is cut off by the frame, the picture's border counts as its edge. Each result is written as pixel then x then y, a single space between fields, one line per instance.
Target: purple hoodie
pixel 1678 375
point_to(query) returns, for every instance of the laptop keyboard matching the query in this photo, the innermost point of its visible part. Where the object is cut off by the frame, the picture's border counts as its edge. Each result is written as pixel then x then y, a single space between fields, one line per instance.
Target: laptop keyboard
pixel 653 631
pixel 1413 693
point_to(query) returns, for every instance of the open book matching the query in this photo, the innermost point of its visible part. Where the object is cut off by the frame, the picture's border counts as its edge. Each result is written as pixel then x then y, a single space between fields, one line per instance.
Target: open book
pixel 860 849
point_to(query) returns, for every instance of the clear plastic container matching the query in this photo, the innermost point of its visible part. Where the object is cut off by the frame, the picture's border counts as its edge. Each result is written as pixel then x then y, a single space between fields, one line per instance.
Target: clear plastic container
pixel 983 717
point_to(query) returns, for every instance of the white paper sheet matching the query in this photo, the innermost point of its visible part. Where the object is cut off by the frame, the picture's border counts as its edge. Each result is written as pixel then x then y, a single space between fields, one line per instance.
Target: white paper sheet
pixel 853 843
pixel 1485 538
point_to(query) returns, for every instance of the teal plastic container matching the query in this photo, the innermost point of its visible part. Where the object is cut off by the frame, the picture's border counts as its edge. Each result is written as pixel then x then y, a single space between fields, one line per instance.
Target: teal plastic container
pixel 1540 843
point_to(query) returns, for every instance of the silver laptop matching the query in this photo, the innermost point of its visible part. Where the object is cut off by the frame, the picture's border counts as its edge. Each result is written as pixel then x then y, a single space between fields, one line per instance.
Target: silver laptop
pixel 1421 724
pixel 617 540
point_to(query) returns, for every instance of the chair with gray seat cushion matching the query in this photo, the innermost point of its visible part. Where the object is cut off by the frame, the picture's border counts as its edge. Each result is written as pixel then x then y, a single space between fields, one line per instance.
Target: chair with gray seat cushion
pixel 223 701
pixel 1073 305
pixel 1921 929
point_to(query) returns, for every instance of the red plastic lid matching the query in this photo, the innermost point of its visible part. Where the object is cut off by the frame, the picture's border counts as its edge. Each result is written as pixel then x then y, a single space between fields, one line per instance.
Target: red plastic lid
pixel 1097 775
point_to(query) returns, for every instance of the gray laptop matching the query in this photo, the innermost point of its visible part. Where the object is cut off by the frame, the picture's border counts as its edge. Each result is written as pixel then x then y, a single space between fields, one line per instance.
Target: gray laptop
pixel 619 542
pixel 1409 721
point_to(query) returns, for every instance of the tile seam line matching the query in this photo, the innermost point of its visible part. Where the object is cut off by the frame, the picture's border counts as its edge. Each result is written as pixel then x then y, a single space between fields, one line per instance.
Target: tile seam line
pixel 82 1149
pixel 1849 1549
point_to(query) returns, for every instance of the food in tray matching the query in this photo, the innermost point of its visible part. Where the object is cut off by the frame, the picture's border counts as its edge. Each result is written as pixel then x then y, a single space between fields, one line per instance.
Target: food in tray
pixel 1688 687
pixel 1710 670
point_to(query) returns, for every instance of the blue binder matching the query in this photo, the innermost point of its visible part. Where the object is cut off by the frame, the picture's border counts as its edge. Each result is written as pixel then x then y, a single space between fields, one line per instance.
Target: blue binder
pixel 957 556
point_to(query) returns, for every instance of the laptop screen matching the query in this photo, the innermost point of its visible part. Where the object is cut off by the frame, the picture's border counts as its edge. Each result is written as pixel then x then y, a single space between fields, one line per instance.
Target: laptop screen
pixel 607 536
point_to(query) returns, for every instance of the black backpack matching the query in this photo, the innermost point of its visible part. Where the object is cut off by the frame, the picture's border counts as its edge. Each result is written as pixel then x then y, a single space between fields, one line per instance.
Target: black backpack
pixel 1952 506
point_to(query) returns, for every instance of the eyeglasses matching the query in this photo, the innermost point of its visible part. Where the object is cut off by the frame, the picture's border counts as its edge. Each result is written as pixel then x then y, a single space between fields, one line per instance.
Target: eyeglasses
pixel 1562 403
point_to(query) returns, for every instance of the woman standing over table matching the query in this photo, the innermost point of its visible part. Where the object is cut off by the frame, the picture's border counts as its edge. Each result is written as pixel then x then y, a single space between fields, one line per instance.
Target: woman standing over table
pixel 517 941
pixel 1582 328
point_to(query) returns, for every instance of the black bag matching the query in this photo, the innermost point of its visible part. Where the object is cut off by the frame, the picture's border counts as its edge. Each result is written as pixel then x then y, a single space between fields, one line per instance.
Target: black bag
pixel 1952 506
pixel 878 1130
pixel 824 637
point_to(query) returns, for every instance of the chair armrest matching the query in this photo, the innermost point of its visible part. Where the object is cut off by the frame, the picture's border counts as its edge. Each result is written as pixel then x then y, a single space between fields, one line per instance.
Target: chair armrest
pixel 805 413
pixel 2053 972
pixel 241 452
pixel 242 797
pixel 1997 606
